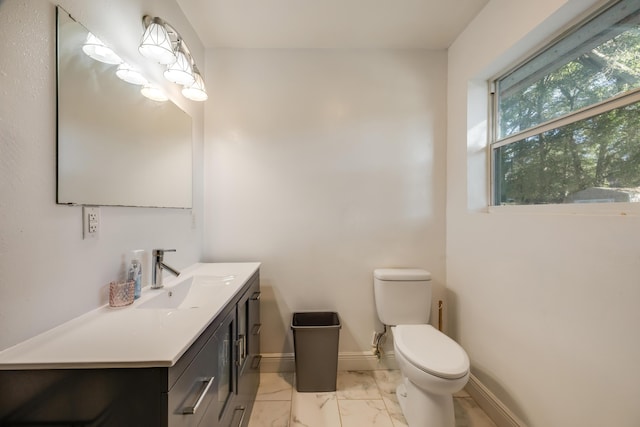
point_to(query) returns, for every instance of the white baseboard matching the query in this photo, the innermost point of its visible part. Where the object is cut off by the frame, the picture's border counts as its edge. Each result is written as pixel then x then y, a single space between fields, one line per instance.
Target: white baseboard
pixel 347 361
pixel 365 361
pixel 494 408
pixel 277 362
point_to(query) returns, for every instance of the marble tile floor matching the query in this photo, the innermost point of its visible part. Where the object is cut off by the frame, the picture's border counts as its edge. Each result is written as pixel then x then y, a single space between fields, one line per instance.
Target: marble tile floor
pixel 362 399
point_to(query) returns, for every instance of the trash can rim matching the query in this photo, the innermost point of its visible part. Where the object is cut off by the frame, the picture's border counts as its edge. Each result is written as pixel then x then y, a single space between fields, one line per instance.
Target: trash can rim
pixel 333 323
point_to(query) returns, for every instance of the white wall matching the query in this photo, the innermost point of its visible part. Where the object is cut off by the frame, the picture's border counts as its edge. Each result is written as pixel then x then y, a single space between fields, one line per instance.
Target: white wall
pixel 546 299
pixel 48 274
pixel 323 165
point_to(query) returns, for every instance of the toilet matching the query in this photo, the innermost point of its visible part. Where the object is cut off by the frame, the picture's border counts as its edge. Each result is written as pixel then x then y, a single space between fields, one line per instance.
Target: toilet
pixel 433 366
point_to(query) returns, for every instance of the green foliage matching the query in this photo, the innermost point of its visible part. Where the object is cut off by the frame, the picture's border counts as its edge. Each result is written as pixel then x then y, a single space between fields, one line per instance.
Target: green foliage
pixel 601 151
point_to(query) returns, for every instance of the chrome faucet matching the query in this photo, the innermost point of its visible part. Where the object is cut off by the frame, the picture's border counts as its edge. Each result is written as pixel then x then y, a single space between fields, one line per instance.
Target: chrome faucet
pixel 159 265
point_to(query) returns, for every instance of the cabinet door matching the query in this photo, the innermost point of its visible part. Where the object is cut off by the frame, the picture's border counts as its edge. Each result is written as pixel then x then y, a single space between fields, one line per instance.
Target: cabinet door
pixel 219 412
pixel 82 397
pixel 242 340
pixel 194 391
pixel 249 326
pixel 238 341
pixel 249 349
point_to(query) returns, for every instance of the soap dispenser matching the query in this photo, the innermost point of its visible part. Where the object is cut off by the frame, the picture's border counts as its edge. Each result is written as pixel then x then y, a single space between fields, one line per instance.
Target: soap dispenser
pixel 135 272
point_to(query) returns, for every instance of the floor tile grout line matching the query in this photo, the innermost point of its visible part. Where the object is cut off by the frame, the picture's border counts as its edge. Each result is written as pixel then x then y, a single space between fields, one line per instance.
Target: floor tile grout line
pixel 383 400
pixel 338 406
pixel 382 397
pixel 293 382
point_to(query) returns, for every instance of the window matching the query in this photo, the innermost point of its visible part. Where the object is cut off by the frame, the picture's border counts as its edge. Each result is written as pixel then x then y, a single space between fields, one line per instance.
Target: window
pixel 566 123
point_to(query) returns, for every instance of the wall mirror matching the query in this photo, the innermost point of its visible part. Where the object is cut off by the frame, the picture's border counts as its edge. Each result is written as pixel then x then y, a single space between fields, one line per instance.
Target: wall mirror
pixel 115 147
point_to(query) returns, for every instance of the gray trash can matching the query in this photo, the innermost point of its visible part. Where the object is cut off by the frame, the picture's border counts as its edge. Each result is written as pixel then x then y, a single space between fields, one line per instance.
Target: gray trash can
pixel 315 340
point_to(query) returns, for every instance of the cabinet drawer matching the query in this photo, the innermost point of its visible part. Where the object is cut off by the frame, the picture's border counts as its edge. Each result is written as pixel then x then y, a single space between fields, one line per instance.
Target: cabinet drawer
pixel 195 389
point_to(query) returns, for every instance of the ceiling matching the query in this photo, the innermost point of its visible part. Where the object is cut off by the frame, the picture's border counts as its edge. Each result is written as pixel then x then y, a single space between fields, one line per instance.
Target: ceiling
pixel 424 24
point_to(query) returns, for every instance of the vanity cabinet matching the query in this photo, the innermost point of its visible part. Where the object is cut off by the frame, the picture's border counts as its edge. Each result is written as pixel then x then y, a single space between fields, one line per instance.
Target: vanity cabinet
pixel 213 384
pixel 245 369
pixel 238 374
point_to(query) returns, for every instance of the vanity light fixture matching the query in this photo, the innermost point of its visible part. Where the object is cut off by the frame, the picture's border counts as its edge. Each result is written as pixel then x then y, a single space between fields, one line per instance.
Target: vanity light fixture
pixel 97 50
pixel 162 43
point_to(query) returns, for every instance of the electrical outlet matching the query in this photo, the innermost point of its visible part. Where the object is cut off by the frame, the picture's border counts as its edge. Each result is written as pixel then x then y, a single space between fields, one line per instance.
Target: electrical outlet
pixel 90 222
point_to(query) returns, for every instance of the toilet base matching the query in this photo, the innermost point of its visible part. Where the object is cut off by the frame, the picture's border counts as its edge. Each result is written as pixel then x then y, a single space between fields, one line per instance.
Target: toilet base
pixel 422 409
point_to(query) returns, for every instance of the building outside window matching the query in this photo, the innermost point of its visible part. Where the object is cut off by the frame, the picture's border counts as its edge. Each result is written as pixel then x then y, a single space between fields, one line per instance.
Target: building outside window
pixel 566 122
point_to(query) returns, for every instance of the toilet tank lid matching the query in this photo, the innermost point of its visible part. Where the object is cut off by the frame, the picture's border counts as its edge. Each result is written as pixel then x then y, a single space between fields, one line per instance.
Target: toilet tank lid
pixel 401 274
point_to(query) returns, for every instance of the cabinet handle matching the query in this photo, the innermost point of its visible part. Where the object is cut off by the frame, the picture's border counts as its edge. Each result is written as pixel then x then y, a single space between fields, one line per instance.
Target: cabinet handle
pixel 239 408
pixel 255 296
pixel 240 345
pixel 255 363
pixel 256 328
pixel 191 410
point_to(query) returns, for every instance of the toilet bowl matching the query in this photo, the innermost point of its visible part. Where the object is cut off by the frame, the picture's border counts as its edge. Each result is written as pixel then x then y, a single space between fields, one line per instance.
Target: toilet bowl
pixel 433 366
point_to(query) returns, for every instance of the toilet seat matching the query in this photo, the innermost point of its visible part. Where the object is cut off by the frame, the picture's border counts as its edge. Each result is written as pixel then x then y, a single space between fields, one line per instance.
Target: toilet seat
pixel 431 351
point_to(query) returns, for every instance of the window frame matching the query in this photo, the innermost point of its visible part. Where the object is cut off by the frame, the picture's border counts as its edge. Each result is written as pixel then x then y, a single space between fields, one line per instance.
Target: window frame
pixel 618 101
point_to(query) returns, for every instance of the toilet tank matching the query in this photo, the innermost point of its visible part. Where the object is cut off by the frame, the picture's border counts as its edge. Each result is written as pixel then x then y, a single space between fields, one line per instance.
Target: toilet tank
pixel 402 295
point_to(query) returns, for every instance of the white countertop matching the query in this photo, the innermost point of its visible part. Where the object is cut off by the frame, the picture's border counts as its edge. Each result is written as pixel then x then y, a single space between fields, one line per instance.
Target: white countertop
pixel 130 336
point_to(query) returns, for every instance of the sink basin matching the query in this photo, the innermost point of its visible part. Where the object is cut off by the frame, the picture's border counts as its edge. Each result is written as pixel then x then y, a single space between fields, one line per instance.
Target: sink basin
pixel 191 292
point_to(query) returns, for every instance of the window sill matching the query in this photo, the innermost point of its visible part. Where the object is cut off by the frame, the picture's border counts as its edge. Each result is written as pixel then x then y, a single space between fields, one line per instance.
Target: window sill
pixel 592 209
